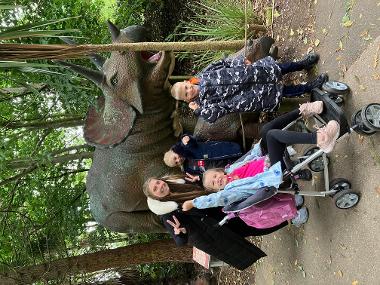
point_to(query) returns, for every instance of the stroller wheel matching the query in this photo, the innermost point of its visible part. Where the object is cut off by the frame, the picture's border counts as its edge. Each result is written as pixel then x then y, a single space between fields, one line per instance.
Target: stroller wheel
pixel 346 199
pixel 371 116
pixel 336 87
pixel 339 184
pixel 361 128
pixel 317 164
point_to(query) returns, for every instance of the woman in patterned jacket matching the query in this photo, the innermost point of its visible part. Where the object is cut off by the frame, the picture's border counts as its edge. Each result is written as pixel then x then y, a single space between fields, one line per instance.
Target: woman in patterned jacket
pixel 237 85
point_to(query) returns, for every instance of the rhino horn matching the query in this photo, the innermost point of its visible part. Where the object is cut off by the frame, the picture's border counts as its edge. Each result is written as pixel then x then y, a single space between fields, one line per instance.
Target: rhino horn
pixel 95 58
pixel 95 76
pixel 115 32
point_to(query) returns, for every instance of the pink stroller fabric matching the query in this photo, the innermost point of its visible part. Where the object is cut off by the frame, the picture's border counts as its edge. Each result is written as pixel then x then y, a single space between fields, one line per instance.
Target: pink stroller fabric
pixel 269 213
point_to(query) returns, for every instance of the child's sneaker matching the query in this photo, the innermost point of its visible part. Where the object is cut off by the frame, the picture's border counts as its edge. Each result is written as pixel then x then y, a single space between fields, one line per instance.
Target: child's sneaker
pixel 303 174
pixel 310 60
pixel 291 150
pixel 301 218
pixel 299 201
pixel 327 136
pixel 311 108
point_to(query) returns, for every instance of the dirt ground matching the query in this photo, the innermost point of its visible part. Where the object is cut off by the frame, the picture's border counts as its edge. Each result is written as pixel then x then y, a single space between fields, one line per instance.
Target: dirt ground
pixel 335 246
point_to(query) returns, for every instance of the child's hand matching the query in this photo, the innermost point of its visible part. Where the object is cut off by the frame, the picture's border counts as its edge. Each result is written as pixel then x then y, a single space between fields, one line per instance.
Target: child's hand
pixel 192 178
pixel 175 225
pixel 188 205
pixel 193 106
pixel 185 140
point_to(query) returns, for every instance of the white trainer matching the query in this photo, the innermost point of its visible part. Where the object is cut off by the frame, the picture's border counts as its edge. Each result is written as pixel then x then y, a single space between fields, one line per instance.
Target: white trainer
pixel 327 136
pixel 301 218
pixel 311 108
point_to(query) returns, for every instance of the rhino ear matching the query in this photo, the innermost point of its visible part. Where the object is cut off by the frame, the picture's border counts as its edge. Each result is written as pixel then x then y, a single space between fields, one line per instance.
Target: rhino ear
pixel 95 76
pixel 115 32
pixel 109 123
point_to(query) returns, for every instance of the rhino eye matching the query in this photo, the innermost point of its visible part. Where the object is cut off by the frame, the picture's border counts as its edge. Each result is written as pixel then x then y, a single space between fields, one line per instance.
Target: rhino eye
pixel 114 80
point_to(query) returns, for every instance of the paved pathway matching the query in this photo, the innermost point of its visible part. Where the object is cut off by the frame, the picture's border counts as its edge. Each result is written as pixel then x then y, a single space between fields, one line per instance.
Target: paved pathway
pixel 339 246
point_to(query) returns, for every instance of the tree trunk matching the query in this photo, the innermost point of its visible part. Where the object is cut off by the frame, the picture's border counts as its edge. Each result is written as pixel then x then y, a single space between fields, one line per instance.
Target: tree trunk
pixel 37 124
pixel 155 251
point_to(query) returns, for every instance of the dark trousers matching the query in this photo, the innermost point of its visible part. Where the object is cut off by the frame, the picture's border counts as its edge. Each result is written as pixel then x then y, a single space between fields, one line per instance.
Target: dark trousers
pixel 293 90
pixel 274 140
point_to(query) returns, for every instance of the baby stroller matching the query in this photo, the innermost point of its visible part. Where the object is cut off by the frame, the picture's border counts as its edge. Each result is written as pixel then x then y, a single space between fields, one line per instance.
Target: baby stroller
pixel 364 122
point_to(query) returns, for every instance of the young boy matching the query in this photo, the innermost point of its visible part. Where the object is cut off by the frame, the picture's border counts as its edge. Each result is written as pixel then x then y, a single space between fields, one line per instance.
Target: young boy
pixel 237 85
pixel 195 157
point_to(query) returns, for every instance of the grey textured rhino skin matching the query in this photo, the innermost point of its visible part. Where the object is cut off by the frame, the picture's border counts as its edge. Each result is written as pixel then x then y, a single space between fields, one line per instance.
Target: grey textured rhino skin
pixel 141 90
pixel 115 179
pixel 119 168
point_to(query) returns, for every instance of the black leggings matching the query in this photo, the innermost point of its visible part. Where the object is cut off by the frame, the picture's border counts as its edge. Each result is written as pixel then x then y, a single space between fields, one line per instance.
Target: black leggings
pixel 274 140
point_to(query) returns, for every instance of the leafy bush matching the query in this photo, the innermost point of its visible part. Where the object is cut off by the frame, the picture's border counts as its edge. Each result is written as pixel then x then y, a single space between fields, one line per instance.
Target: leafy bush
pixel 131 12
pixel 213 20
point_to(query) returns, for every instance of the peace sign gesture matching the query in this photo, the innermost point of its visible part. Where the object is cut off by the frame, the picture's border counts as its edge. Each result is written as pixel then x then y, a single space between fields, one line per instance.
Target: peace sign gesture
pixel 192 178
pixel 175 225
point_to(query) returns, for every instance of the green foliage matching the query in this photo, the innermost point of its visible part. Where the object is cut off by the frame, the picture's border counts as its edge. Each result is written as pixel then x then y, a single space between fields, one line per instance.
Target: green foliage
pixel 7 5
pixel 131 12
pixel 44 11
pixel 44 213
pixel 29 30
pixel 213 20
pixel 160 271
pixel 41 223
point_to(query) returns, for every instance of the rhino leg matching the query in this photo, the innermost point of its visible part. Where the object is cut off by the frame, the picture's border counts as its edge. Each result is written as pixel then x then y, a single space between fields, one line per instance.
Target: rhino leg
pixel 225 128
pixel 134 222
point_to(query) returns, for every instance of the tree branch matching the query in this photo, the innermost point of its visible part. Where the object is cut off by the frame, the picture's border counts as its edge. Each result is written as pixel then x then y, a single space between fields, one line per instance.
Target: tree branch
pixel 39 124
pixel 67 173
pixel 18 176
pixel 25 163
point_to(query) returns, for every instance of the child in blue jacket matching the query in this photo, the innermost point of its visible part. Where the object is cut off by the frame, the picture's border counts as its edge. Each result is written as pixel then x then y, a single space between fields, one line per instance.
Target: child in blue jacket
pixel 195 157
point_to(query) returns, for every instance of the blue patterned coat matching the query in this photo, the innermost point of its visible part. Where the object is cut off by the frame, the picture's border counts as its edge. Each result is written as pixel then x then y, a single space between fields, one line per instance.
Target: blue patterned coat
pixel 240 189
pixel 230 85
